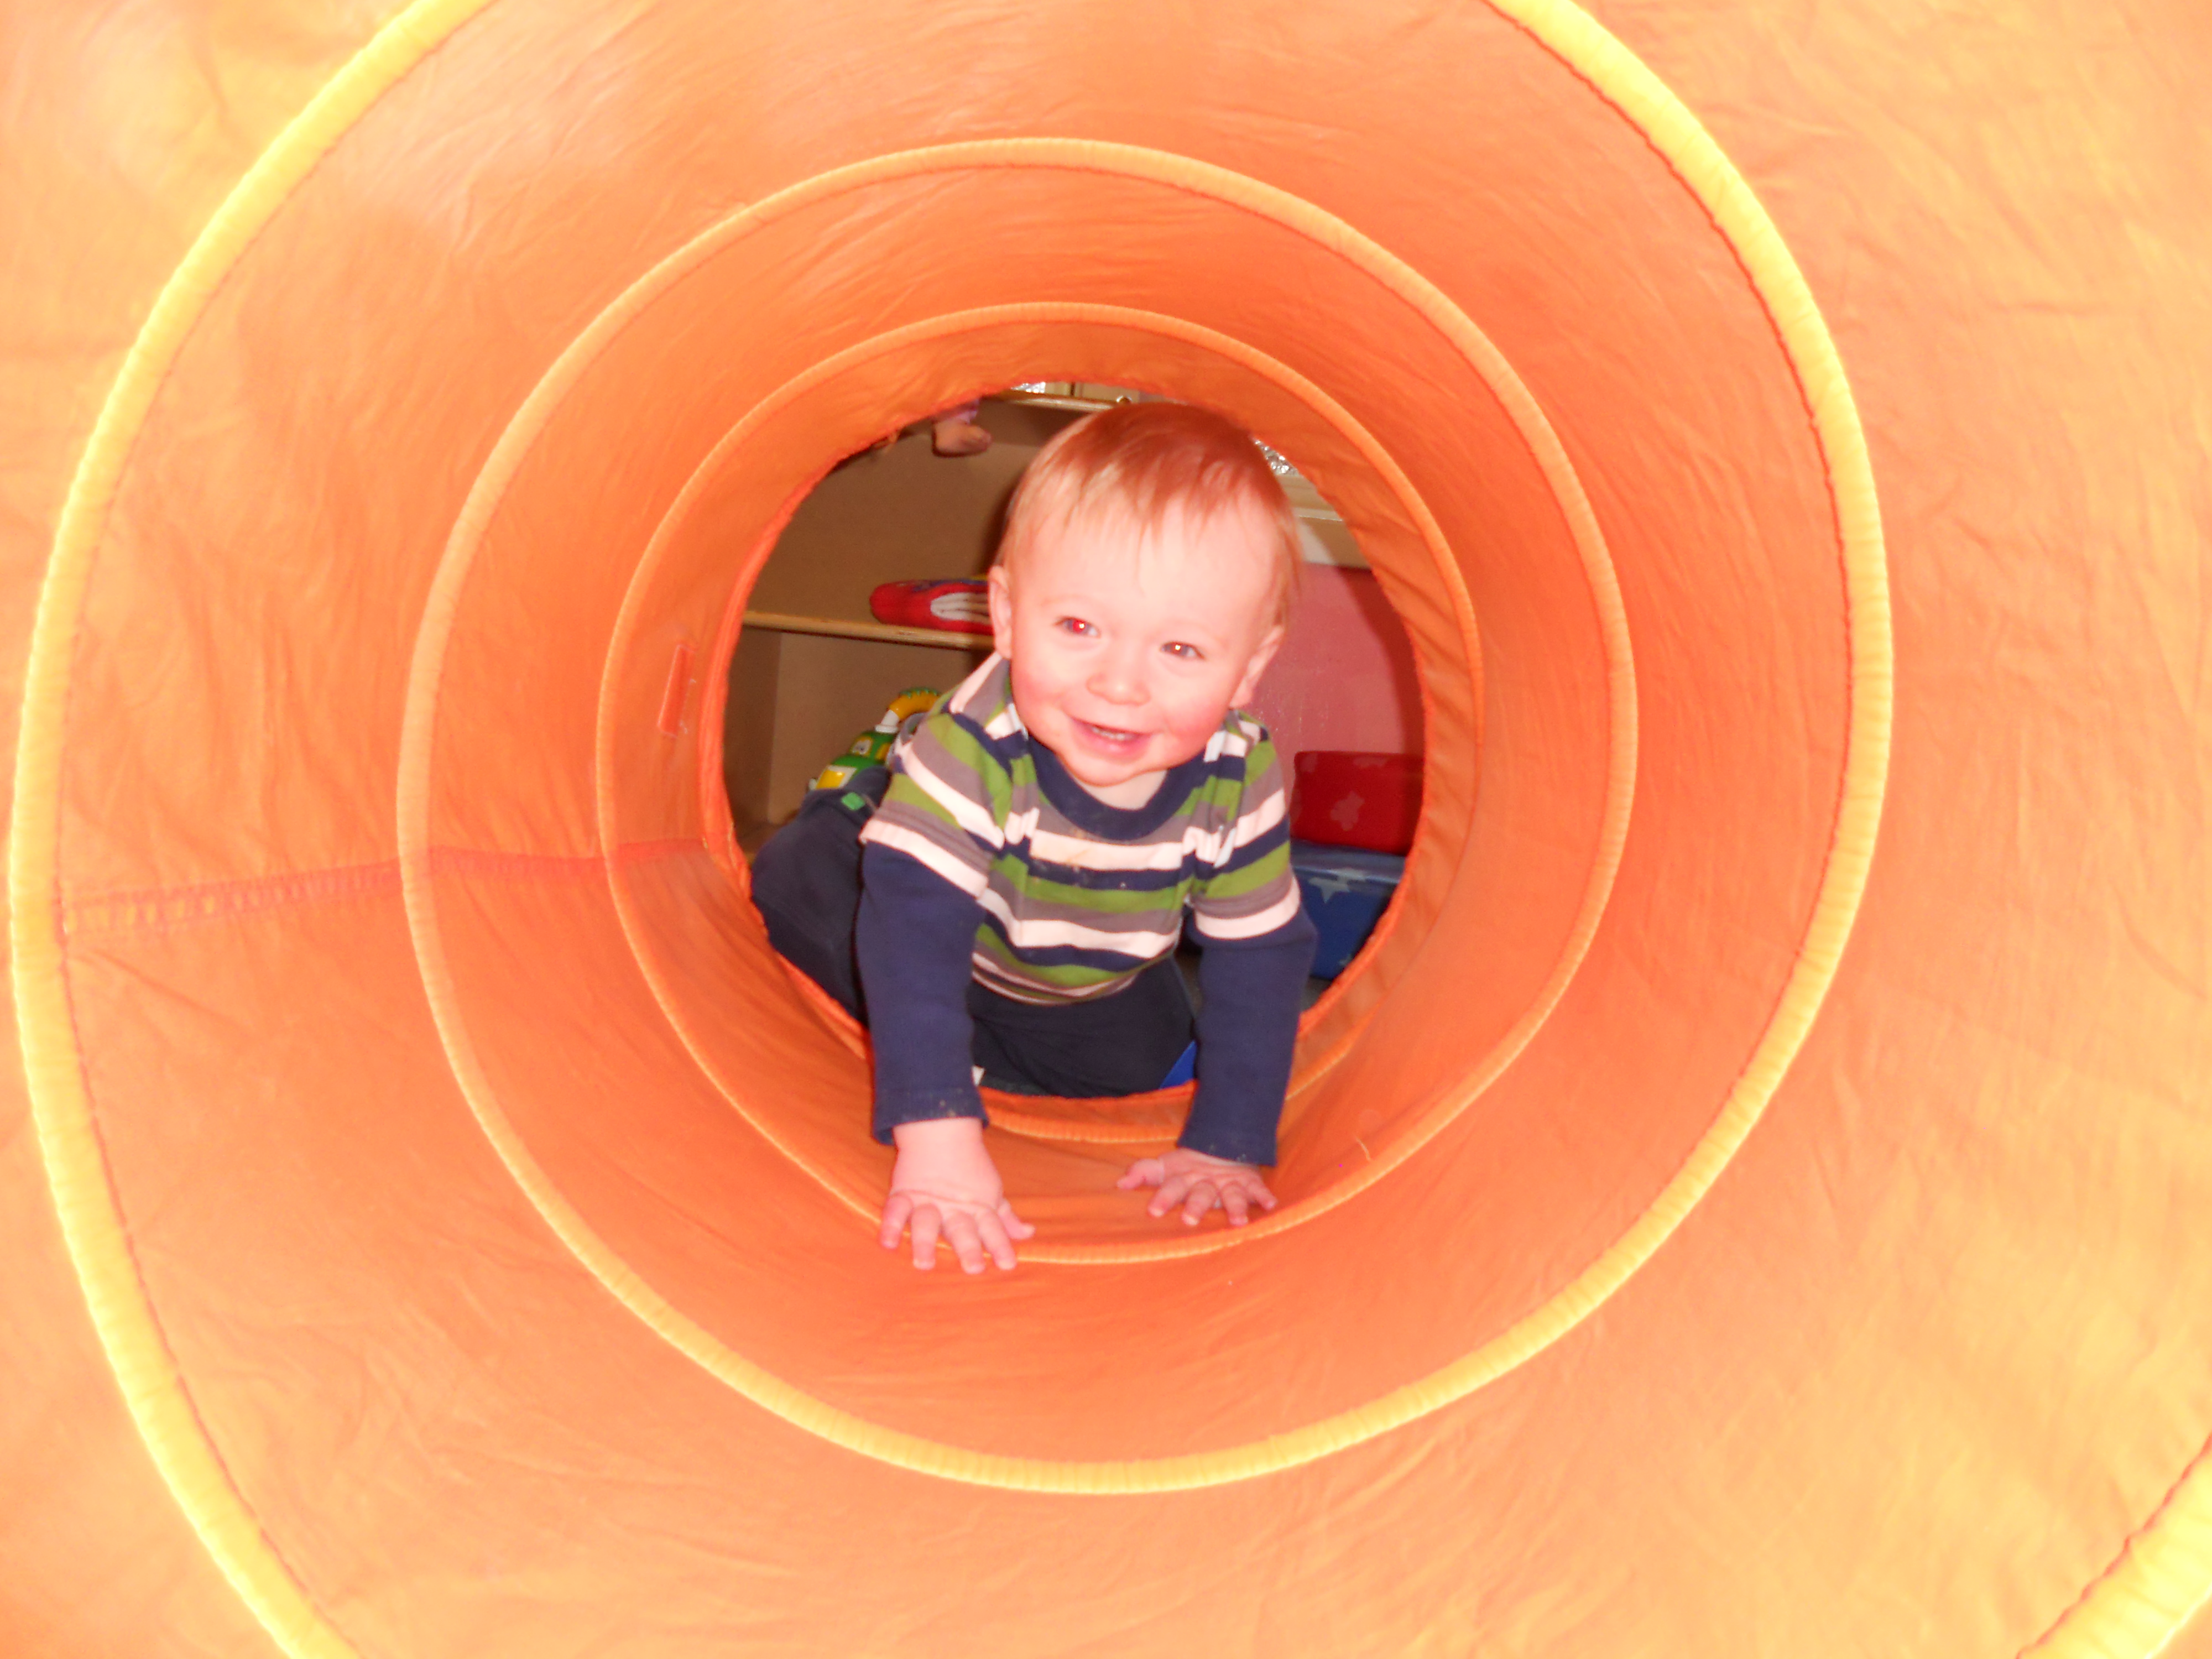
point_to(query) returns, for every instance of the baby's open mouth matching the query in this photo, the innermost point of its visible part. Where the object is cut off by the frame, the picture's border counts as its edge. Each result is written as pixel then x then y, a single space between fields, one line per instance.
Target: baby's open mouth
pixel 1108 734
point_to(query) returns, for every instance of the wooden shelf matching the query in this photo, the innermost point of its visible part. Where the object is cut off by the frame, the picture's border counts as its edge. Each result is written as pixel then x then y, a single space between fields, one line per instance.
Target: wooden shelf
pixel 1054 400
pixel 841 628
pixel 1306 501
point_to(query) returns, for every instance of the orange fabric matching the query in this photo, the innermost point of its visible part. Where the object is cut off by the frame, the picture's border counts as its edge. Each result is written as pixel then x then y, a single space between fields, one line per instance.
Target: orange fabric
pixel 475 1221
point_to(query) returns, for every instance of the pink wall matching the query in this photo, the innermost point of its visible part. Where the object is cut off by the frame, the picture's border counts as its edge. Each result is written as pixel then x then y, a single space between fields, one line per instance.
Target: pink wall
pixel 1344 679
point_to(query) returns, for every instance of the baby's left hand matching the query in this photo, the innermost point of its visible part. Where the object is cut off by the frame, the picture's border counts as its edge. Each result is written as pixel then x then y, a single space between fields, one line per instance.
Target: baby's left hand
pixel 1198 1183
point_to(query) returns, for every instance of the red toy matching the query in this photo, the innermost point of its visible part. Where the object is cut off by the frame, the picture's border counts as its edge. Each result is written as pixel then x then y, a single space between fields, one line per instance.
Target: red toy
pixel 949 605
pixel 1341 798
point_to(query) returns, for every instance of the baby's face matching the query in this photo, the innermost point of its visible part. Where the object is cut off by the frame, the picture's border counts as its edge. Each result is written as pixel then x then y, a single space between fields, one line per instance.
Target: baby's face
pixel 1127 649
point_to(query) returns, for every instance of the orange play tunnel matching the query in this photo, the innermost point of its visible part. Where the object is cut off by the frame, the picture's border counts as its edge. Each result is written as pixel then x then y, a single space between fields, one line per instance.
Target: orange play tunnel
pixel 1748 1199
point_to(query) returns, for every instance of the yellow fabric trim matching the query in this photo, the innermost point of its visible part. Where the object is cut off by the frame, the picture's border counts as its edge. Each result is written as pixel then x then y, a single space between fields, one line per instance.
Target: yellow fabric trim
pixel 93 1226
pixel 1616 74
pixel 2162 1579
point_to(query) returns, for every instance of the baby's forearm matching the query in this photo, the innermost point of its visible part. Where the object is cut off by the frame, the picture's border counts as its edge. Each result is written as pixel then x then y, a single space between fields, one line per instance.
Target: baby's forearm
pixel 1248 1029
pixel 914 940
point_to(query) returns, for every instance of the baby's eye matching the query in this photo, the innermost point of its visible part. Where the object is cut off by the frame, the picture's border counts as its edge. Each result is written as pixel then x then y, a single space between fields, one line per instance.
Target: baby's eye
pixel 1182 652
pixel 1075 625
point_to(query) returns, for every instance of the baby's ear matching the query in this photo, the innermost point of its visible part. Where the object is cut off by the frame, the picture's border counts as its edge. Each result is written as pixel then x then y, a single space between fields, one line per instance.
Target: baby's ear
pixel 1262 654
pixel 1001 594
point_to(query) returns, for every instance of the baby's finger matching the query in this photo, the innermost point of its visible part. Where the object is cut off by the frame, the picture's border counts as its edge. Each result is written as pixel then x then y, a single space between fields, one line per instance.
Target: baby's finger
pixel 1261 1196
pixel 1015 1226
pixel 1232 1200
pixel 1172 1187
pixel 925 1223
pixel 960 1233
pixel 897 1209
pixel 1145 1172
pixel 1203 1197
pixel 993 1232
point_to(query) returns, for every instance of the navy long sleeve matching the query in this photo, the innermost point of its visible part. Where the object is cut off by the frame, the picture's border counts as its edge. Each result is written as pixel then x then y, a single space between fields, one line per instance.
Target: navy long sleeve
pixel 913 938
pixel 1248 1026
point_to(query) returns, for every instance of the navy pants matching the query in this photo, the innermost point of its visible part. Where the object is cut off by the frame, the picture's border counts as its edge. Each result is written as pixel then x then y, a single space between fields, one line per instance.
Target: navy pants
pixel 806 885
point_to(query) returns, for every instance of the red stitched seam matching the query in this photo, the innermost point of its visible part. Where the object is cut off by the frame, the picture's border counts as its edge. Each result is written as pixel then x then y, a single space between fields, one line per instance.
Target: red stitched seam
pixel 154 909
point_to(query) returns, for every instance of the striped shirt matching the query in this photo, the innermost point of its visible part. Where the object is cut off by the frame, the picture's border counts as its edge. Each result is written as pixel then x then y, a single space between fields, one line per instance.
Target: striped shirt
pixel 1073 910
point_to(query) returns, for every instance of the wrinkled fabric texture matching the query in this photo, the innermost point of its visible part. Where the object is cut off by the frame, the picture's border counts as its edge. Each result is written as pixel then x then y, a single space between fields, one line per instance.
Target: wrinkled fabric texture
pixel 1747 1198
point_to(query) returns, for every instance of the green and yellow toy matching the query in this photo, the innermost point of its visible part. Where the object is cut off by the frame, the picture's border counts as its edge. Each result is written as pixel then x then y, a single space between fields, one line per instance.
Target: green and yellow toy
pixel 874 746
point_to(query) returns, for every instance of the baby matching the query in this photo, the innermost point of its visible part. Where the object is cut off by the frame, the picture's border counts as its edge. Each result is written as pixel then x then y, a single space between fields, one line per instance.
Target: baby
pixel 1023 884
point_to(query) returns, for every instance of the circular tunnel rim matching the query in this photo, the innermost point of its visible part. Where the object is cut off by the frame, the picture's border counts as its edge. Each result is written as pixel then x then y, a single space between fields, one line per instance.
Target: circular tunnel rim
pixel 1494 1355
pixel 1490 1357
pixel 1280 1450
pixel 545 401
pixel 1489 1066
pixel 1412 1399
pixel 67 1137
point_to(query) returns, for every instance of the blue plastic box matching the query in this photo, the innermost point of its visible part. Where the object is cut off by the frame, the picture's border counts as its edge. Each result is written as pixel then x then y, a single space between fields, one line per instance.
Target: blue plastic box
pixel 1345 889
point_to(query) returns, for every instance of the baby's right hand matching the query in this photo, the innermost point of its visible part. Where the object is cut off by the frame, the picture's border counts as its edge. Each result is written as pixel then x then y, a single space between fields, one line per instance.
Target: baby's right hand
pixel 945 1183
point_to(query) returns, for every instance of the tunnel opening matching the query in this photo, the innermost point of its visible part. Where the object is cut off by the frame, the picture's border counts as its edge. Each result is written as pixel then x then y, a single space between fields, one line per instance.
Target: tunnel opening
pixel 833 638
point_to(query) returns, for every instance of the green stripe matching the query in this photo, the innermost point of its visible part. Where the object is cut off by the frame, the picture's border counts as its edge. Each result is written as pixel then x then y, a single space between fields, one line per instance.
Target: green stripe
pixel 1239 883
pixel 906 795
pixel 967 751
pixel 1022 778
pixel 1068 976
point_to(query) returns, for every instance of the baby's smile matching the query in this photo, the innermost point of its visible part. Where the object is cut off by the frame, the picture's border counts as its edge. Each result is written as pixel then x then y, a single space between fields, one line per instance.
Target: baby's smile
pixel 1110 736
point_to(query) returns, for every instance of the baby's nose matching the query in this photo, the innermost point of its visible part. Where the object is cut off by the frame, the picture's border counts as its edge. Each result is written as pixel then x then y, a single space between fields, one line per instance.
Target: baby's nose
pixel 1119 679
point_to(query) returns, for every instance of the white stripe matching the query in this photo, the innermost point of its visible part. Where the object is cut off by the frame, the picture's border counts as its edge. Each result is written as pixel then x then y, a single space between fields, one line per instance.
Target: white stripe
pixel 926 853
pixel 1215 847
pixel 1226 742
pixel 968 813
pixel 1083 853
pixel 1211 847
pixel 1021 827
pixel 1256 822
pixel 1040 934
pixel 1247 927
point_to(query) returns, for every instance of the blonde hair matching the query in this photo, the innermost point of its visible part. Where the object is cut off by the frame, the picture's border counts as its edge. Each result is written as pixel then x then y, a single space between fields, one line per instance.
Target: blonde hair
pixel 1148 460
